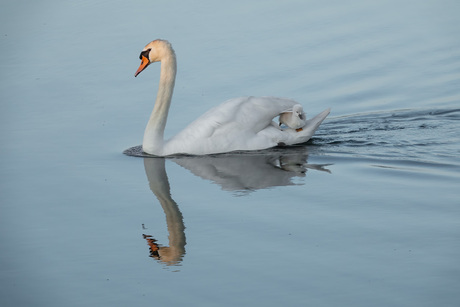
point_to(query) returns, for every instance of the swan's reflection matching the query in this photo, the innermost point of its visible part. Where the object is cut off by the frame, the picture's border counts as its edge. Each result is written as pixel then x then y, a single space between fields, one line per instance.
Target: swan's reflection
pixel 249 172
pixel 233 172
pixel 159 184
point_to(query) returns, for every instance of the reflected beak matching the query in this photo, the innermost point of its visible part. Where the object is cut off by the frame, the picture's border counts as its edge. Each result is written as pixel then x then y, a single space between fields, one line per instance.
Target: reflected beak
pixel 144 63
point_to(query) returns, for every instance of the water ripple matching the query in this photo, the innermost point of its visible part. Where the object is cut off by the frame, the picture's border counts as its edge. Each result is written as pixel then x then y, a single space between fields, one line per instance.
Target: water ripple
pixel 428 135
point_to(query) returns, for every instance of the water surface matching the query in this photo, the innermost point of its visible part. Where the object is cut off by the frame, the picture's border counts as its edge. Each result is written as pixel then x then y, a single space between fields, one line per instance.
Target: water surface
pixel 365 214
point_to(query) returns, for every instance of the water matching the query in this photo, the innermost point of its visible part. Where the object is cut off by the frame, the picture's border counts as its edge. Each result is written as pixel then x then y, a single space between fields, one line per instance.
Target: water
pixel 366 213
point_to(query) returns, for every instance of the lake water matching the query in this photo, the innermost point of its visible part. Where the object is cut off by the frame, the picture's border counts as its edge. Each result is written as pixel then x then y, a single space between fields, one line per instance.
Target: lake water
pixel 367 213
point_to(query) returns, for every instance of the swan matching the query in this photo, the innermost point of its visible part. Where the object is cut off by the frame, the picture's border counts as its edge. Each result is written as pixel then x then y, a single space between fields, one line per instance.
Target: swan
pixel 294 118
pixel 244 123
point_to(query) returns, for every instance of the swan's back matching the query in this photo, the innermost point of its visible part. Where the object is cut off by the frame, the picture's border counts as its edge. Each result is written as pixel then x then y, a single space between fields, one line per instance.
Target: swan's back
pixel 253 113
pixel 230 126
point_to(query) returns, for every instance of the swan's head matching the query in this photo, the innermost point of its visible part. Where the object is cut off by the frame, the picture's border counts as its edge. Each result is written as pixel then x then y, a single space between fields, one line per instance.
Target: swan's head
pixel 154 52
pixel 298 110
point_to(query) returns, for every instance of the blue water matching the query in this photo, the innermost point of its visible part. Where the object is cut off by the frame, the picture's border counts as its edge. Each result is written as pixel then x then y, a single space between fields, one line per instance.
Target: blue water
pixel 365 214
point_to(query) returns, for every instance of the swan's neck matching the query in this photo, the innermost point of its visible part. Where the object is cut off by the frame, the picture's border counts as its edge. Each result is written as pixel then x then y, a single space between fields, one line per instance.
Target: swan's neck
pixel 153 135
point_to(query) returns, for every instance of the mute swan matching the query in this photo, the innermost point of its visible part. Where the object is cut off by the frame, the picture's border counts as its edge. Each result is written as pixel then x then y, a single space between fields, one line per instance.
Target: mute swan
pixel 244 123
pixel 294 118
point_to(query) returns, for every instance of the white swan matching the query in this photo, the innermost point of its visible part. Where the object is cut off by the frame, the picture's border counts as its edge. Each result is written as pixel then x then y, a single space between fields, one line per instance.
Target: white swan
pixel 294 118
pixel 238 124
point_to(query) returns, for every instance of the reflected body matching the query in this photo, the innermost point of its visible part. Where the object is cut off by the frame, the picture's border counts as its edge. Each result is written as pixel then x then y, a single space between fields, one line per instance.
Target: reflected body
pixel 242 173
pixel 244 123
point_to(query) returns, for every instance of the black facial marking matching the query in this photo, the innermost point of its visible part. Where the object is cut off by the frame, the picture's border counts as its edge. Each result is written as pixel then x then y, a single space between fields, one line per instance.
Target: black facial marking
pixel 144 53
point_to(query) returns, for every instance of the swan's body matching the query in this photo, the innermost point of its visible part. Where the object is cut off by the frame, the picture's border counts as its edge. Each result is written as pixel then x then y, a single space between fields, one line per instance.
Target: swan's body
pixel 238 124
pixel 294 118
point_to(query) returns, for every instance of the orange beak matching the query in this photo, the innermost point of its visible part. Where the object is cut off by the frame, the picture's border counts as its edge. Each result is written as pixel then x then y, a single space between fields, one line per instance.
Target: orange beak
pixel 144 63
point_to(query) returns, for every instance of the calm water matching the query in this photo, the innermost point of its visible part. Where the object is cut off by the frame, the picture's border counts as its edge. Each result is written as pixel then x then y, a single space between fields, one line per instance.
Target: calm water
pixel 365 214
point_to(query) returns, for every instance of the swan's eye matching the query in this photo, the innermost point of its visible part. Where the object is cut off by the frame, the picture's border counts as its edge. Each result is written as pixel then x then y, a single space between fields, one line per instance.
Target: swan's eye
pixel 144 53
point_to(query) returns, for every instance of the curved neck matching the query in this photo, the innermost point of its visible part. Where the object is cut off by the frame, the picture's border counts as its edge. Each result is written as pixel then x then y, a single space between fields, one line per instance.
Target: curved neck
pixel 159 184
pixel 153 135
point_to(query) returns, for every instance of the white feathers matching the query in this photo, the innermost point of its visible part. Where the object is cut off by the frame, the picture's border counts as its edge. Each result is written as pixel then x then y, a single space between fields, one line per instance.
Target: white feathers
pixel 244 123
